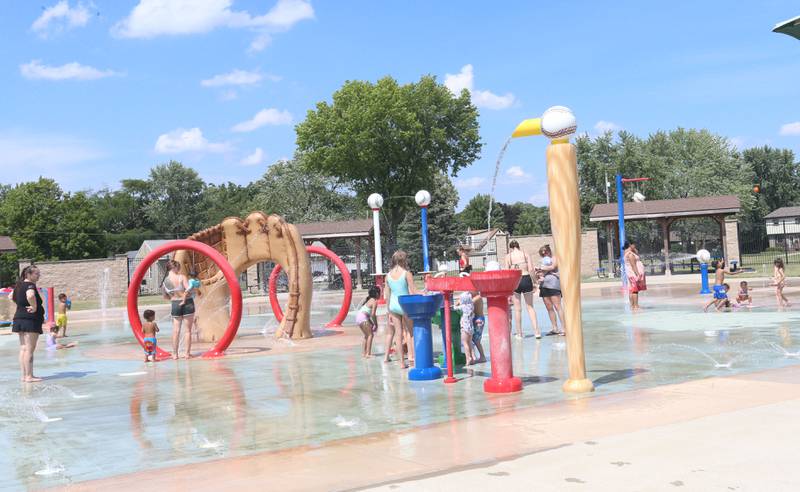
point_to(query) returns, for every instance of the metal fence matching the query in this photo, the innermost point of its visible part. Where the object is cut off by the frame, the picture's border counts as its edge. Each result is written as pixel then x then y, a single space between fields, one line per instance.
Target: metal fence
pixel 758 249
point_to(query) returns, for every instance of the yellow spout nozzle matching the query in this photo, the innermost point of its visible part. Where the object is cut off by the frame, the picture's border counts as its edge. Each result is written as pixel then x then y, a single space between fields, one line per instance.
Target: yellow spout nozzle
pixel 528 128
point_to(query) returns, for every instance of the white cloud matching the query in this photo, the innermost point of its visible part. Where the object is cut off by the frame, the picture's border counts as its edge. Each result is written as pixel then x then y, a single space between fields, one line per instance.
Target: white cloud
pixel 35 70
pixel 254 159
pixel 192 140
pixel 465 183
pixel 236 77
pixel 606 126
pixel 264 117
pixel 540 198
pixel 483 99
pixel 737 142
pixel 59 17
pixel 228 95
pixel 517 172
pixel 152 18
pixel 790 129
pixel 25 156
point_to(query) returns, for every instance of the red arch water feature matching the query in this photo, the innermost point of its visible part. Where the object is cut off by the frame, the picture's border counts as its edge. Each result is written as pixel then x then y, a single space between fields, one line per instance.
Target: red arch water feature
pixel 226 269
pixel 346 279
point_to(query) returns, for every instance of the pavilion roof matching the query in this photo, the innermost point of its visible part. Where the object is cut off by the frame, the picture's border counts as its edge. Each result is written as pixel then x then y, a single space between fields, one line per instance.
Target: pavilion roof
pixel 681 207
pixel 335 229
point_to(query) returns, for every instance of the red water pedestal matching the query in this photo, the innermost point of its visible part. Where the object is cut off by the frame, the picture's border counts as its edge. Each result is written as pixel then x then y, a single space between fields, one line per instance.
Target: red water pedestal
pixel 446 285
pixel 496 286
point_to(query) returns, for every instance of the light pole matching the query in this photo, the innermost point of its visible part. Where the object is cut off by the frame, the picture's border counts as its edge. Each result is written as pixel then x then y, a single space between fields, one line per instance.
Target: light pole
pixel 423 199
pixel 375 202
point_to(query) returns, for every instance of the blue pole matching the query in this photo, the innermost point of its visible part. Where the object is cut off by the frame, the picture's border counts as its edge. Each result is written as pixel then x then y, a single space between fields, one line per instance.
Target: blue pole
pixel 425 260
pixel 621 221
pixel 704 279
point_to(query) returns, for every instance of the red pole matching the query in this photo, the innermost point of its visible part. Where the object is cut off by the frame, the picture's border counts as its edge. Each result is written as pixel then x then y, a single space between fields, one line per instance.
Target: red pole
pixel 51 306
pixel 448 339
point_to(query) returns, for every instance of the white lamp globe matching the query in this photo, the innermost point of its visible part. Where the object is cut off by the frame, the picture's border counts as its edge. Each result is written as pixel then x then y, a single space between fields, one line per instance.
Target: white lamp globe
pixel 638 197
pixel 375 201
pixel 703 256
pixel 423 198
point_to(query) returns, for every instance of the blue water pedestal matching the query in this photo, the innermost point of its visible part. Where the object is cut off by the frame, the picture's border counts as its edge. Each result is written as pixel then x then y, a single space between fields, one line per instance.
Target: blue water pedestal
pixel 421 309
pixel 704 279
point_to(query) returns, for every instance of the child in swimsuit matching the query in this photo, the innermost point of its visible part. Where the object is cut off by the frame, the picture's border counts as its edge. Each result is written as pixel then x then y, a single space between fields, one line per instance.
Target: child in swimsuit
pixel 51 340
pixel 467 309
pixel 149 330
pixel 478 323
pixel 367 320
pixel 743 297
pixel 61 314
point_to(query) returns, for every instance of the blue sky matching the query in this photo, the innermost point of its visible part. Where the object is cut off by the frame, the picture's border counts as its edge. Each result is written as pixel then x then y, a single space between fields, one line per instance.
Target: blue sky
pixel 97 91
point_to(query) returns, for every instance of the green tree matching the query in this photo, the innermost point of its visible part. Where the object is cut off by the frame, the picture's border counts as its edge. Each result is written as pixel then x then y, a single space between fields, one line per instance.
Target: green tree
pixel 226 200
pixel 303 195
pixel 476 214
pixel 29 213
pixel 121 215
pixel 681 163
pixel 175 203
pixel 443 229
pixel 390 139
pixel 777 175
pixel 80 235
pixel 532 220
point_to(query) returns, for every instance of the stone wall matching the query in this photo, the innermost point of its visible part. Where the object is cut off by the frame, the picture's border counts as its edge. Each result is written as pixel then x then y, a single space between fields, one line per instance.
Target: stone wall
pixel 82 279
pixel 589 256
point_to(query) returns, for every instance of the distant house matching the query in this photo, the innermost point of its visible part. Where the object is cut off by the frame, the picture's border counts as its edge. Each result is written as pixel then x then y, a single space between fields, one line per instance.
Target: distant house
pixel 485 245
pixel 7 245
pixel 152 280
pixel 783 228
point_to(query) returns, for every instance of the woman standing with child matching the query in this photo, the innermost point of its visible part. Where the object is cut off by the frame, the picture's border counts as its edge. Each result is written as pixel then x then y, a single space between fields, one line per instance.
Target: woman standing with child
pixel 550 289
pixel 176 289
pixel 399 282
pixel 28 319
pixel 516 259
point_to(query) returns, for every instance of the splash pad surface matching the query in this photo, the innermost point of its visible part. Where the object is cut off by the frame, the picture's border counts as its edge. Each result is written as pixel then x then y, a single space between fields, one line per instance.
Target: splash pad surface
pixel 103 412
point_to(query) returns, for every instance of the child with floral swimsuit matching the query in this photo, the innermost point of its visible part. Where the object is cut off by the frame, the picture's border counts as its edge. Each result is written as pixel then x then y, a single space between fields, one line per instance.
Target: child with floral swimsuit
pixel 467 309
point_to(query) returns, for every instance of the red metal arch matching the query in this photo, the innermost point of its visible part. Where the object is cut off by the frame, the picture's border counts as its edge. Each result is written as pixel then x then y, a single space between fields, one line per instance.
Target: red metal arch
pixel 346 279
pixel 227 270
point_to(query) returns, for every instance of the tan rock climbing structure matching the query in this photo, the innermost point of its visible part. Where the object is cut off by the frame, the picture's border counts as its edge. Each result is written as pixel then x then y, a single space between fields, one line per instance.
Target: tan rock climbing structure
pixel 256 239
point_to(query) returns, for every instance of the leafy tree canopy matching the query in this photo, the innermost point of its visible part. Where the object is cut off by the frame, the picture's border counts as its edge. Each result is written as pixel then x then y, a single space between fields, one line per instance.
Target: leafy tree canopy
pixel 391 139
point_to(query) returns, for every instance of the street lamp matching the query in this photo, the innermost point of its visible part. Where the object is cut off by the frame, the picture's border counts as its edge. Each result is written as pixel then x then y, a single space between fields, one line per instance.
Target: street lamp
pixel 423 199
pixel 375 202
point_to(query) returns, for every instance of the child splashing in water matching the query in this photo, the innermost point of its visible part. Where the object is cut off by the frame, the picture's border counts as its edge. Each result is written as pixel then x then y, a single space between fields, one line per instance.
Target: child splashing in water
pixel 367 320
pixel 779 281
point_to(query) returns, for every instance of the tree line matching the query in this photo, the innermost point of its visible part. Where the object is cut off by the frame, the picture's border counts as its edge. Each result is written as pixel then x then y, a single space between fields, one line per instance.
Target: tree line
pixel 393 139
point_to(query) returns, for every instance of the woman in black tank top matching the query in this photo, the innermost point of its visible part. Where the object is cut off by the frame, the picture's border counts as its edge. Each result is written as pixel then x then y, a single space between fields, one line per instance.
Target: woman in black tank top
pixel 28 319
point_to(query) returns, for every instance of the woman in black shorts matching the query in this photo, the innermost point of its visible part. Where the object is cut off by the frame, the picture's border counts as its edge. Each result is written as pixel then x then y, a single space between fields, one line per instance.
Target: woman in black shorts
pixel 175 286
pixel 550 289
pixel 516 259
pixel 28 319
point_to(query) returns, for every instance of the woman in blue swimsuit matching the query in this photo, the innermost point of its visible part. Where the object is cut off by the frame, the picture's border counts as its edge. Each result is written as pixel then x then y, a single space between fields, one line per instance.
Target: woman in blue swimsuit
pixel 399 282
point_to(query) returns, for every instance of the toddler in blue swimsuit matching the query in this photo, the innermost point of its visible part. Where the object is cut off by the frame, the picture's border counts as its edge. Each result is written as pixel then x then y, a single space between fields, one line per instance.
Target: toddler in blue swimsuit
pixel 149 330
